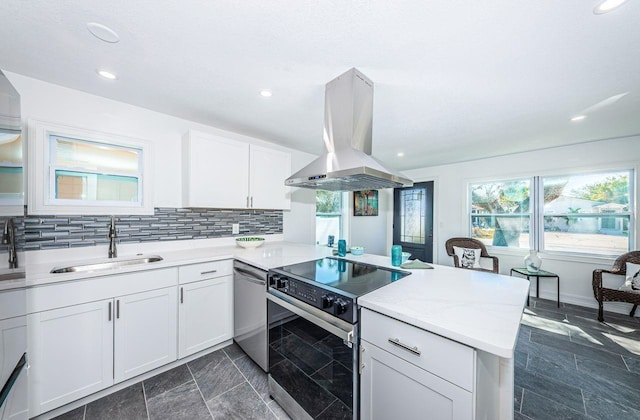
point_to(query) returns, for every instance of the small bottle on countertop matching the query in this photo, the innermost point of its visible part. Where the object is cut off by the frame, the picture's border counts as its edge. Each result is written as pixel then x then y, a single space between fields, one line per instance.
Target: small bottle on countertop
pixel 342 248
pixel 396 255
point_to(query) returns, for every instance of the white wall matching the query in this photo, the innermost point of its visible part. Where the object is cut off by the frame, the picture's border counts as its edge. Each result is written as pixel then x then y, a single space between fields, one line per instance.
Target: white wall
pixel 451 203
pixel 53 103
pixel 371 231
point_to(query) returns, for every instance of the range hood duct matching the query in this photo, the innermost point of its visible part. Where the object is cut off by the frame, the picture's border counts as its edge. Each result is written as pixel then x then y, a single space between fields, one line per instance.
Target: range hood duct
pixel 347 164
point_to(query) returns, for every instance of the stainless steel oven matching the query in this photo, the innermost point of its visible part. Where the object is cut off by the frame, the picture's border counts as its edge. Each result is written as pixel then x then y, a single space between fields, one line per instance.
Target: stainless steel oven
pixel 313 370
pixel 313 332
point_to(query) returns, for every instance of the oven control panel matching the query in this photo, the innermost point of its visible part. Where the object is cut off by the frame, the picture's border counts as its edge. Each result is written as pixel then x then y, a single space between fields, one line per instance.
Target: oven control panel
pixel 332 303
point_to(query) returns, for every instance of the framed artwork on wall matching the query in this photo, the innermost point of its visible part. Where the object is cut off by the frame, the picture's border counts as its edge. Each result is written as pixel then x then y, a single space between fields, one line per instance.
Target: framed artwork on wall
pixel 365 203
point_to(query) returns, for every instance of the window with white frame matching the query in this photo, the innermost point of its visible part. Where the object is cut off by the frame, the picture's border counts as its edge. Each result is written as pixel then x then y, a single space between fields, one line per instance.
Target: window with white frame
pixel 328 217
pixel 585 213
pixel 86 172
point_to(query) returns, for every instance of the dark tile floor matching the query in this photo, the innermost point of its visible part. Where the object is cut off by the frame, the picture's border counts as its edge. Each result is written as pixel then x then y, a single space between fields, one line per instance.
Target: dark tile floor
pixel 568 366
pixel 224 384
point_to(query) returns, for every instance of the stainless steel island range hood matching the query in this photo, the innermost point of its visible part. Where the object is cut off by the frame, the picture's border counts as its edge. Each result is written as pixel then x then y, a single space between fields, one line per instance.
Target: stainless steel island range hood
pixel 347 164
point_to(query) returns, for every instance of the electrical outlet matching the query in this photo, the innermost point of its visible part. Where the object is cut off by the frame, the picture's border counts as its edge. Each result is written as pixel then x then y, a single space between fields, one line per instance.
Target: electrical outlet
pixel 235 228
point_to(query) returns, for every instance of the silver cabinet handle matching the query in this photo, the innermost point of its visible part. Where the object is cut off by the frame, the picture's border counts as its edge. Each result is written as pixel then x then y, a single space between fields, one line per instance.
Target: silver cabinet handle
pixel 208 272
pixel 396 342
pixel 118 309
pixel 252 202
pixel 109 311
pixel 182 295
pixel 247 201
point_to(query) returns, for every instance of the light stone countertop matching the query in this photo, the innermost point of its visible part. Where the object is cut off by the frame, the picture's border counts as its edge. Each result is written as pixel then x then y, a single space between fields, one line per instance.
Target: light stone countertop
pixel 270 255
pixel 481 310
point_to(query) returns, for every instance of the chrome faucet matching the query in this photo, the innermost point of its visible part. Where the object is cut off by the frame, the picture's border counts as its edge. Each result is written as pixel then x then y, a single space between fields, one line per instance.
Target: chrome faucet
pixel 9 238
pixel 113 252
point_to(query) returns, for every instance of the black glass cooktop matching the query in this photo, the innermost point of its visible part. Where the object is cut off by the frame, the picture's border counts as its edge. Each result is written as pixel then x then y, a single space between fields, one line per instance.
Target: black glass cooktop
pixel 352 278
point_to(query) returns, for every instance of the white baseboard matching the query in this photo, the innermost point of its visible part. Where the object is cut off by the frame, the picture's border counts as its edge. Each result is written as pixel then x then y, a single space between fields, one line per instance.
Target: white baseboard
pixel 590 302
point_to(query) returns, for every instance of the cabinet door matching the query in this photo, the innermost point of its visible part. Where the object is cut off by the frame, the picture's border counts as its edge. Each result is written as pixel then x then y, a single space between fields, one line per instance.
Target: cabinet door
pixel 394 388
pixel 215 172
pixel 268 170
pixel 205 314
pixel 13 344
pixel 70 353
pixel 145 332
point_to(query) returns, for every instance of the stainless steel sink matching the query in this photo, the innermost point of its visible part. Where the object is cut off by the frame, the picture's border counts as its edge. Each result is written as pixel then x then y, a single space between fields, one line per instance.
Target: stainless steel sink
pixel 13 275
pixel 107 264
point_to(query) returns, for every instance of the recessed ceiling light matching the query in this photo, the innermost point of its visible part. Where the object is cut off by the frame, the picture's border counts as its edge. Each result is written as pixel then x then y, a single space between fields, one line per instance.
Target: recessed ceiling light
pixel 266 93
pixel 107 74
pixel 400 154
pixel 606 6
pixel 103 33
pixel 578 118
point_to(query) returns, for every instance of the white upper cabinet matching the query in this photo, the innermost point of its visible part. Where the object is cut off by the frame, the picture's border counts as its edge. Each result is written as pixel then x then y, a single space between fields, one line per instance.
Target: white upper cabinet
pixel 268 168
pixel 215 171
pixel 223 173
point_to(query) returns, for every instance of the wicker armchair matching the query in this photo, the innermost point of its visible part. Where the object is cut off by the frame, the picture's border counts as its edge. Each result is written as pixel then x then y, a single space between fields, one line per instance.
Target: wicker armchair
pixel 470 243
pixel 603 294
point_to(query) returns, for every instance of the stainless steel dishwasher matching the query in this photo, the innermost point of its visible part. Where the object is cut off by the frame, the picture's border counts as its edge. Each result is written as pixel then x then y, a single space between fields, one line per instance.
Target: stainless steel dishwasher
pixel 250 311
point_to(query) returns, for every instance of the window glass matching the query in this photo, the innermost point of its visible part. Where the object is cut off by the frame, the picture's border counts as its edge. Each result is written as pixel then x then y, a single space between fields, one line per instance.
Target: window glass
pixel 500 213
pixel 94 172
pixel 11 185
pixel 587 213
pixel 328 217
pixel 413 203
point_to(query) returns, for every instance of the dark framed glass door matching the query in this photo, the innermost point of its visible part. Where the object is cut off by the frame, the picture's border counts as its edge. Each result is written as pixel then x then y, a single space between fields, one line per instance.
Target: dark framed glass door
pixel 413 220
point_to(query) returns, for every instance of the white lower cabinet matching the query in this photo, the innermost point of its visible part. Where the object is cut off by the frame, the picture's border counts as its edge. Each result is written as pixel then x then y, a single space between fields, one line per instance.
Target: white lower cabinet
pixel 205 314
pixel 145 332
pixel 71 354
pixel 78 350
pixel 394 388
pixel 13 343
pixel 410 373
pixel 205 311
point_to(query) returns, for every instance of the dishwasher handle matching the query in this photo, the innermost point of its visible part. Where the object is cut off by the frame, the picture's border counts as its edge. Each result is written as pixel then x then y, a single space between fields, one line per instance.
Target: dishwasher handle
pixel 245 275
pixel 250 273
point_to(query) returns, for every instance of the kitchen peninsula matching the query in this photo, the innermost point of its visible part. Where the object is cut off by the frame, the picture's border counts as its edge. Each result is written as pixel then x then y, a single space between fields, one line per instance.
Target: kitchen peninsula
pixel 477 313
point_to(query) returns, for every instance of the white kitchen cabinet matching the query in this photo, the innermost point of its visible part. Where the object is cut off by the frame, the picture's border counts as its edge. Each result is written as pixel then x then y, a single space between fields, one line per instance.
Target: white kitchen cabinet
pixel 268 168
pixel 408 371
pixel 86 335
pixel 222 173
pixel 13 343
pixel 205 312
pixel 391 388
pixel 145 332
pixel 71 354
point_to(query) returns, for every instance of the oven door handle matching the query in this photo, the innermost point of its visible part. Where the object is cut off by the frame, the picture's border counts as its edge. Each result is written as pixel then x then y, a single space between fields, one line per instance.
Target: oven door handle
pixel 12 379
pixel 334 325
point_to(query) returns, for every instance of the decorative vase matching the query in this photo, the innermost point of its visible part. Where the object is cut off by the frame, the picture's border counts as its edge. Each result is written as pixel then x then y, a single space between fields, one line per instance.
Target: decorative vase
pixel 532 261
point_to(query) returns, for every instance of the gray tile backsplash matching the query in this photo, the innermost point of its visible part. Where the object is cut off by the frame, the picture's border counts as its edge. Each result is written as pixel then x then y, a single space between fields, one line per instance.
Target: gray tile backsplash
pixel 166 224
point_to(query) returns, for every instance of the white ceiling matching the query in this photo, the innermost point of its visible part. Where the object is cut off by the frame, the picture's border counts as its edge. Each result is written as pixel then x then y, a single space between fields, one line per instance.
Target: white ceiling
pixel 454 80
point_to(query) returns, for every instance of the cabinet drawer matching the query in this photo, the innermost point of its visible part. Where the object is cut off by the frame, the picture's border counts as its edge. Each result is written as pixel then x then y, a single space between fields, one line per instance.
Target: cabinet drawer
pixel 445 358
pixel 58 295
pixel 13 303
pixel 204 271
